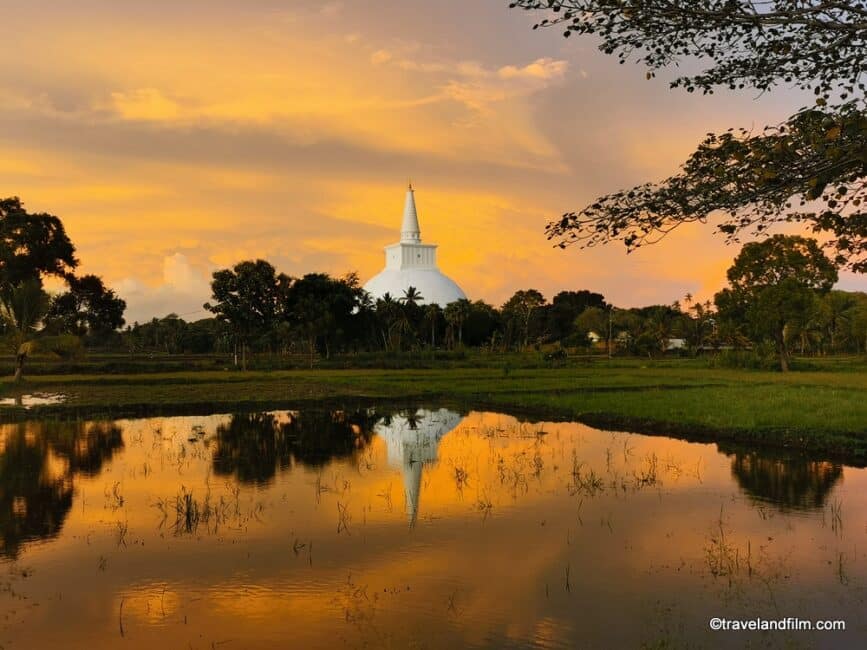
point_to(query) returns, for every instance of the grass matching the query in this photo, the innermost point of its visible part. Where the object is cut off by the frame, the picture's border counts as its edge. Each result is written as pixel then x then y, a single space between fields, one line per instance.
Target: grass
pixel 823 410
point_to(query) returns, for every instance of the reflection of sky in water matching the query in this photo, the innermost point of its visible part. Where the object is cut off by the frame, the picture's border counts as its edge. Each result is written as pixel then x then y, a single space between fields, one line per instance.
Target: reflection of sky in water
pixel 545 535
pixel 37 399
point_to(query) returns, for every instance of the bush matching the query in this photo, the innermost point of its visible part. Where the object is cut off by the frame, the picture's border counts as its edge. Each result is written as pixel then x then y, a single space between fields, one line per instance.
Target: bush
pixel 761 357
pixel 62 346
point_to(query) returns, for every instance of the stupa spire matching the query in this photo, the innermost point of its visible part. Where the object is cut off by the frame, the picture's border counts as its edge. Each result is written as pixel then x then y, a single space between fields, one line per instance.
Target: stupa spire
pixel 409 230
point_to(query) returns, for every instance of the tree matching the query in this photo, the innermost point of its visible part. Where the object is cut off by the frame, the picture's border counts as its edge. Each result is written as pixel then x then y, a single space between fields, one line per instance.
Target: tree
pixel 89 307
pixel 412 296
pixel 773 284
pixel 321 309
pixel 413 312
pixel 456 314
pixel 520 309
pixel 592 319
pixel 659 324
pixel 566 306
pixel 481 323
pixel 703 323
pixel 835 314
pixel 31 246
pixel 23 308
pixel 246 297
pixel 392 321
pixel 432 316
pixel 812 168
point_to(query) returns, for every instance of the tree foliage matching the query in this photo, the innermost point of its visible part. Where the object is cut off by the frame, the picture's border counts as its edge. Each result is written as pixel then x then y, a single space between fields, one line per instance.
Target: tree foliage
pixel 774 285
pixel 812 168
pixel 32 245
pixel 319 316
pixel 246 298
pixel 322 309
pixel 88 307
pixel 519 310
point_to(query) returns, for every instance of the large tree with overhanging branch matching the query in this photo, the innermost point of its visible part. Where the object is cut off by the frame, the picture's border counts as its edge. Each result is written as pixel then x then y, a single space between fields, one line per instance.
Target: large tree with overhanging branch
pixel 812 168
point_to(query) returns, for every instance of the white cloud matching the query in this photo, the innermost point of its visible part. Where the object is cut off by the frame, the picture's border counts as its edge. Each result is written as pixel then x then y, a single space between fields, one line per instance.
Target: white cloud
pixel 545 68
pixel 478 88
pixel 183 291
pixel 473 84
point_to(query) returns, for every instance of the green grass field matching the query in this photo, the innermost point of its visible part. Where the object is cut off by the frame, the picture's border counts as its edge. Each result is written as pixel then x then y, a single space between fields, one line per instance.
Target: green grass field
pixel 822 411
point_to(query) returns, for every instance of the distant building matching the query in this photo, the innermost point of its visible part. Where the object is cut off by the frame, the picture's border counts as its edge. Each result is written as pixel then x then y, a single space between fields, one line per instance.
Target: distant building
pixel 593 337
pixel 676 344
pixel 410 263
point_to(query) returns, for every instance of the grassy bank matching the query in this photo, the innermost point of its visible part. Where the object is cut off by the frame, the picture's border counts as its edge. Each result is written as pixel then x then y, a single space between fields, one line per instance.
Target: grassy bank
pixel 822 411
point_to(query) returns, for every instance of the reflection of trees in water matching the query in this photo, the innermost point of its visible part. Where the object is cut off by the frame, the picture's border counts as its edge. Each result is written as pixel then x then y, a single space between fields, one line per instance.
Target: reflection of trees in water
pixel 38 463
pixel 790 482
pixel 254 446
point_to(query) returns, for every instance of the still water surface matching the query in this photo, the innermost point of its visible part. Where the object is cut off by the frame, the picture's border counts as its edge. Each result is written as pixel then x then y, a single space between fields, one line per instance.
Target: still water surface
pixel 423 528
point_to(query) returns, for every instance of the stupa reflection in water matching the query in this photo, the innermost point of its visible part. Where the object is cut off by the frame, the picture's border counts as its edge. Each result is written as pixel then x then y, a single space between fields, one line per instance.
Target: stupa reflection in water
pixel 412 440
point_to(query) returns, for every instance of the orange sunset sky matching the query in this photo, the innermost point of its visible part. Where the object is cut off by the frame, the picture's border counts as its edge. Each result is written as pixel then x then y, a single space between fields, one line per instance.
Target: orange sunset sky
pixel 174 138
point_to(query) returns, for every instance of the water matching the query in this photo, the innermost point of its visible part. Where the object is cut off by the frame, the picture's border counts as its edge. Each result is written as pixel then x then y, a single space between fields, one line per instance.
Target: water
pixel 37 399
pixel 424 529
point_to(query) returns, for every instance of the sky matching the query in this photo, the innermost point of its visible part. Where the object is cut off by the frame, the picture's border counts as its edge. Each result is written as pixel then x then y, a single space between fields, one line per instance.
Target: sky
pixel 174 139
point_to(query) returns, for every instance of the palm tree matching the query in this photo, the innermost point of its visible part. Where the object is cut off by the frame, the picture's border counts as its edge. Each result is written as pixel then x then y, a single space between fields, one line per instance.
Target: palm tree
pixel 432 315
pixel 411 296
pixel 23 307
pixel 394 320
pixel 456 313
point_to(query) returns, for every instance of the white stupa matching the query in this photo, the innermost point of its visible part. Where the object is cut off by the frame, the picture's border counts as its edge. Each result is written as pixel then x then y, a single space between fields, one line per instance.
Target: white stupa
pixel 409 263
pixel 412 441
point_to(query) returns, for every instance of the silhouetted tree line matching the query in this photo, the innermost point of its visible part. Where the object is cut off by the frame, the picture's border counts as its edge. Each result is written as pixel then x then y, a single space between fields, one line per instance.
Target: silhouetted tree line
pixel 778 299
pixel 263 310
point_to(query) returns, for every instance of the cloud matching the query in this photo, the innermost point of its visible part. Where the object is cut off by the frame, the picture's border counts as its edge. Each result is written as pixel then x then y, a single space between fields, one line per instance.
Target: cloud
pixel 479 88
pixel 544 68
pixel 182 291
pixel 174 140
pixel 380 56
pixel 145 104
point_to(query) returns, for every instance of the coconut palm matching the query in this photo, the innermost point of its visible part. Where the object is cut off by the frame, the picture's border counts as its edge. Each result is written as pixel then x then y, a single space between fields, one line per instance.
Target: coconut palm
pixel 394 319
pixel 411 296
pixel 432 315
pixel 22 308
pixel 456 314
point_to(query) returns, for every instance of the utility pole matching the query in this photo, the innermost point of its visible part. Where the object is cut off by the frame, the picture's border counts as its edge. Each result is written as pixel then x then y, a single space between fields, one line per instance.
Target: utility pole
pixel 610 313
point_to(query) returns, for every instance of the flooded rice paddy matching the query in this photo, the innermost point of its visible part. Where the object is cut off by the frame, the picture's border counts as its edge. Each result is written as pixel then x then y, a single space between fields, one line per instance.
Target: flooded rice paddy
pixel 423 528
